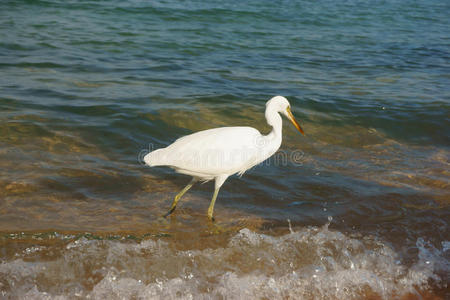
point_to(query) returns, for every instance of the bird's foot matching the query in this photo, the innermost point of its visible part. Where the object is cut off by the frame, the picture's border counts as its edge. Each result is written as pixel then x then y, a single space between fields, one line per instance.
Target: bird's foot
pixel 210 215
pixel 215 228
pixel 169 212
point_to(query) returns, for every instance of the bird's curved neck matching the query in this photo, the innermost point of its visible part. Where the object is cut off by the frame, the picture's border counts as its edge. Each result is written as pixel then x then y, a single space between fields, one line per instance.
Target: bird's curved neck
pixel 274 119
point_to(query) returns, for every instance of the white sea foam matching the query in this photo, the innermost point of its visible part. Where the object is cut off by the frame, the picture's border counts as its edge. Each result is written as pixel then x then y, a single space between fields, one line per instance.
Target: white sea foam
pixel 310 263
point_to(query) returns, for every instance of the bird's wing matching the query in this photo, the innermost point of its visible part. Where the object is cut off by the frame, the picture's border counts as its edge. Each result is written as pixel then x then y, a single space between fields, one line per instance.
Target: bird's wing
pixel 224 150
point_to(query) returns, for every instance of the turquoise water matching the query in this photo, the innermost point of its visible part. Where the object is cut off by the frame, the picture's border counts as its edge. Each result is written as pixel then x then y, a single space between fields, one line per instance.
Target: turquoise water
pixel 88 87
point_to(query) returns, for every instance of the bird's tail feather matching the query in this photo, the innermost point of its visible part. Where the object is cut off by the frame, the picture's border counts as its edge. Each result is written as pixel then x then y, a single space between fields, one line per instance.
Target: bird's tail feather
pixel 154 158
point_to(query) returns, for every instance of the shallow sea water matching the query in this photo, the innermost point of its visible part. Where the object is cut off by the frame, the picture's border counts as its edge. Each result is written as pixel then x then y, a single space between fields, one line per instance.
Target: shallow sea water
pixel 358 208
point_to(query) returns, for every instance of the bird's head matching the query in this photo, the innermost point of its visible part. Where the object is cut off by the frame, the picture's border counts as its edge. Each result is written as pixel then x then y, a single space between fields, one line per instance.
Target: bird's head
pixel 281 105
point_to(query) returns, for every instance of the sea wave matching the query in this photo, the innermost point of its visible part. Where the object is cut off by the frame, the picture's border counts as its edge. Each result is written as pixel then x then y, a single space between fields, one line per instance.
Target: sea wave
pixel 309 263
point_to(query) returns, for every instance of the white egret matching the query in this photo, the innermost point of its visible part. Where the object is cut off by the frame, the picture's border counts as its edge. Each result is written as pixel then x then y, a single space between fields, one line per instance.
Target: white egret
pixel 220 152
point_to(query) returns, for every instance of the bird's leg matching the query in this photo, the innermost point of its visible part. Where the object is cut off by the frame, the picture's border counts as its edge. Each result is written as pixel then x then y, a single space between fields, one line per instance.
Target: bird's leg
pixel 211 205
pixel 219 181
pixel 179 195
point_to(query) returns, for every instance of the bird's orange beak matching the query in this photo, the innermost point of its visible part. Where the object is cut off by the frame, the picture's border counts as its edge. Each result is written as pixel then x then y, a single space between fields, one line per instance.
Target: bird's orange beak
pixel 292 119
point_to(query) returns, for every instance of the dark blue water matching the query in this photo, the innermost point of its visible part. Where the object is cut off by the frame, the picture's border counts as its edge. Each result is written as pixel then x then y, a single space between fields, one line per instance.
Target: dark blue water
pixel 87 87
